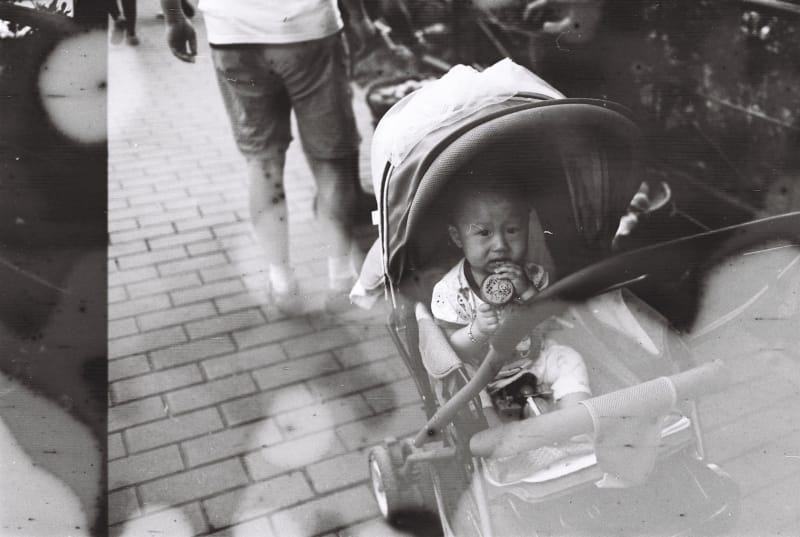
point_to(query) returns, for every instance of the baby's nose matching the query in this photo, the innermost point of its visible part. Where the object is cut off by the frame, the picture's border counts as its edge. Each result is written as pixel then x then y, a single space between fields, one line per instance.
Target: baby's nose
pixel 499 242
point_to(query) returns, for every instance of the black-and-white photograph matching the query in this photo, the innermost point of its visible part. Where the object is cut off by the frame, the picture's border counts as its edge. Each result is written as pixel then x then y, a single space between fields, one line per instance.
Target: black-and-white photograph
pixel 399 268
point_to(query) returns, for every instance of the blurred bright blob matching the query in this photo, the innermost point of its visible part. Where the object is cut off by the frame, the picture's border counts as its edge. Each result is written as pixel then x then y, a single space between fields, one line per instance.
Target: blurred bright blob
pixel 305 448
pixel 32 500
pixel 72 86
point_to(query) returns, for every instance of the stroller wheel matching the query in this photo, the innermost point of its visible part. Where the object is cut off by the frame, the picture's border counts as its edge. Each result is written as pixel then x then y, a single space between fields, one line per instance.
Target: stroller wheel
pixel 387 487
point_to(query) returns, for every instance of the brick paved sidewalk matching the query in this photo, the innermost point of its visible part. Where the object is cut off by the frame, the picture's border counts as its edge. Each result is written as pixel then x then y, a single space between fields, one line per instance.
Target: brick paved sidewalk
pixel 225 415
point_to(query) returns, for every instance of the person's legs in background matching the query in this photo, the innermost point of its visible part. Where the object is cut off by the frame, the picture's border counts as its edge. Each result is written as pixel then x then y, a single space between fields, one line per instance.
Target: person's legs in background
pixel 129 12
pixel 188 8
pixel 259 109
pixel 124 22
pixel 117 22
pixel 335 205
pixel 113 9
pixel 318 83
pixel 270 220
pixel 260 85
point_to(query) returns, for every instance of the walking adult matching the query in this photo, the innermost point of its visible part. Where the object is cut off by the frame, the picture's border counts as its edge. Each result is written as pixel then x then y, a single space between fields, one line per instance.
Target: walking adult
pixel 272 56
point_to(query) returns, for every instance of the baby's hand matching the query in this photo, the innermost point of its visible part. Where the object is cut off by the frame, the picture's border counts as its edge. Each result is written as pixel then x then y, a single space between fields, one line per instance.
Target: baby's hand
pixel 517 276
pixel 486 320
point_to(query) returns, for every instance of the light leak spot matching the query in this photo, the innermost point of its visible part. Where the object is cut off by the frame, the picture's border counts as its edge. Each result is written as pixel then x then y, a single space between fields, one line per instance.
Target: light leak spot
pixel 32 500
pixel 73 84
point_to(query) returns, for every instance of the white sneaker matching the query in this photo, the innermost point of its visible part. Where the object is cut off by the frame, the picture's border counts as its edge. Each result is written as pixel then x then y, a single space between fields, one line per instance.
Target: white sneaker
pixel 288 301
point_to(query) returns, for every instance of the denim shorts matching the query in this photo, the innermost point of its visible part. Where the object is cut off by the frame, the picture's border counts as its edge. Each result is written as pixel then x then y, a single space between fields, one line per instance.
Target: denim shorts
pixel 262 84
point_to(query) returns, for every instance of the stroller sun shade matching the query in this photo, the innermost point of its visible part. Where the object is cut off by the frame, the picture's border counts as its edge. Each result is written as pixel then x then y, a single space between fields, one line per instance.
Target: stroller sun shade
pixel 577 160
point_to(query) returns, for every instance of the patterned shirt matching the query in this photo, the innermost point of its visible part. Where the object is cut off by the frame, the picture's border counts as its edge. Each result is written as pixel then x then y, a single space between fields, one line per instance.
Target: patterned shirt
pixel 456 302
pixel 557 367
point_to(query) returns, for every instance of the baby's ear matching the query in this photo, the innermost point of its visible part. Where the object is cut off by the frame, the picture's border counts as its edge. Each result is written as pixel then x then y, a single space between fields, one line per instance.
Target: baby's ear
pixel 454 236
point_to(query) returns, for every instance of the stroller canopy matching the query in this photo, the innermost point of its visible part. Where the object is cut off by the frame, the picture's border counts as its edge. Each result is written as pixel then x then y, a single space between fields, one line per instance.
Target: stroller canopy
pixel 578 158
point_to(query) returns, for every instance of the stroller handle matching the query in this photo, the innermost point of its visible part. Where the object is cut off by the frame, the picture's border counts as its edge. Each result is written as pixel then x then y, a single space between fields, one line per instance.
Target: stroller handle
pixel 520 436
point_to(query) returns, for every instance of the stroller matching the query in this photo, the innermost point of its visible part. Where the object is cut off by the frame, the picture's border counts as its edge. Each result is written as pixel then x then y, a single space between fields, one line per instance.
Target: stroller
pixel 586 155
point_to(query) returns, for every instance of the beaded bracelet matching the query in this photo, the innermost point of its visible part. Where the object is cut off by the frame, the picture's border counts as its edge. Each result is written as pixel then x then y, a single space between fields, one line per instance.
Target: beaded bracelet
pixel 469 333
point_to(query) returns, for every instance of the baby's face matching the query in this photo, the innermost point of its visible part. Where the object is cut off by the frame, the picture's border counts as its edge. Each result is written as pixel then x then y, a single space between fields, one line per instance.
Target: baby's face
pixel 491 230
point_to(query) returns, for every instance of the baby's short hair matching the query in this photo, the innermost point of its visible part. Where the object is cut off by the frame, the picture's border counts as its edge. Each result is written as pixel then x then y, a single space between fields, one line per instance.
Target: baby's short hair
pixel 471 186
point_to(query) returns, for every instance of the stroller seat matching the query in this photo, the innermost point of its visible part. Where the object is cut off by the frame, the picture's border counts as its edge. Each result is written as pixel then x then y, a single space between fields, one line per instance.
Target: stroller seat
pixel 539 468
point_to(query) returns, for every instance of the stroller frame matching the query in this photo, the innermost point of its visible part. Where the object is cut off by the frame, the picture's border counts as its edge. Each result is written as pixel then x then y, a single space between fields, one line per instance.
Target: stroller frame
pixel 410 476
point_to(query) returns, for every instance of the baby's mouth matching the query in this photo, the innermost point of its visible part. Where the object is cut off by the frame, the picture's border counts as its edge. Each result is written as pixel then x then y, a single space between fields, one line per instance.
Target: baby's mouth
pixel 495 264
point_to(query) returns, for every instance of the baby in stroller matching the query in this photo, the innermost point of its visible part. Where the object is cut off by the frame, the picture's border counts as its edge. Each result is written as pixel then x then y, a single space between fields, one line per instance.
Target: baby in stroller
pixel 490 223
pixel 517 311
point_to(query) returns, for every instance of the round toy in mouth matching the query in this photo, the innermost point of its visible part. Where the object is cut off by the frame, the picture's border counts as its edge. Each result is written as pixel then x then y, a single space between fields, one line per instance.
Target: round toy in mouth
pixel 497 290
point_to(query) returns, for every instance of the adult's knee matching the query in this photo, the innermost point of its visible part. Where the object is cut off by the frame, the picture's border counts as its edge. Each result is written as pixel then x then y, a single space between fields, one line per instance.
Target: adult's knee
pixel 267 167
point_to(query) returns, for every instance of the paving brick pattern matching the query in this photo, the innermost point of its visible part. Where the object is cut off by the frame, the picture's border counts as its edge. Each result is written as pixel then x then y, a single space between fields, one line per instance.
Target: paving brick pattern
pixel 228 418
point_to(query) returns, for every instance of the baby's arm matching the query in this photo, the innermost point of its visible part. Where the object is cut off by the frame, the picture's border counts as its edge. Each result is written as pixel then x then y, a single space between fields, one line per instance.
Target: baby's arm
pixel 468 331
pixel 471 342
pixel 566 373
pixel 571 399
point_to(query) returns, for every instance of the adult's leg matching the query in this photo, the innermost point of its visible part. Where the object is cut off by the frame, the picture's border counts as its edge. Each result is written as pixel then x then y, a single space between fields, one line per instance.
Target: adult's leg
pixel 319 87
pixel 113 9
pixel 129 11
pixel 335 205
pixel 118 22
pixel 268 207
pixel 188 8
pixel 258 108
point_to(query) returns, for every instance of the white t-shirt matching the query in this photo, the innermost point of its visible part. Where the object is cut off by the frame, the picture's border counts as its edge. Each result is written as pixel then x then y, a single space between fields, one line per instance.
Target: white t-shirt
pixel 269 21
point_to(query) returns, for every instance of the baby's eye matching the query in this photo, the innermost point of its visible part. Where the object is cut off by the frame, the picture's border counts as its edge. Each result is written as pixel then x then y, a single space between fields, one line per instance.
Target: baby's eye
pixel 484 232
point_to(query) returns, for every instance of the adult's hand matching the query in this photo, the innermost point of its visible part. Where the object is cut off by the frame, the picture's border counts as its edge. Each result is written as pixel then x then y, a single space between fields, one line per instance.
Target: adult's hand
pixel 360 27
pixel 182 39
pixel 364 33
